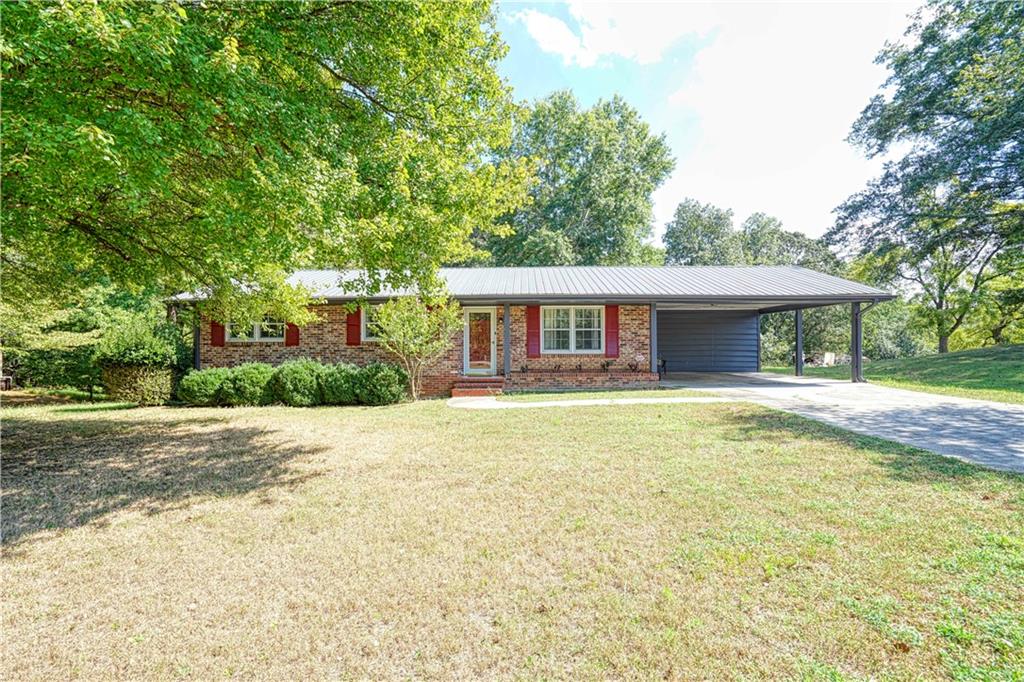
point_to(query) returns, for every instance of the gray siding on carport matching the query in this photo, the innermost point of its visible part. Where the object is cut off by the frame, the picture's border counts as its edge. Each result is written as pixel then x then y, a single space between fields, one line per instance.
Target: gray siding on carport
pixel 724 341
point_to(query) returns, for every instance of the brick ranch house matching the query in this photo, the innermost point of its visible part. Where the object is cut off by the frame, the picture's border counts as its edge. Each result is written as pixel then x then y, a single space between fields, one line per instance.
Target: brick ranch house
pixel 561 327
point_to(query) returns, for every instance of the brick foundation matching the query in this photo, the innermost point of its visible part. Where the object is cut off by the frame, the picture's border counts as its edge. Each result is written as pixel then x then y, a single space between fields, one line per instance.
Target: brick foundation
pixel 584 379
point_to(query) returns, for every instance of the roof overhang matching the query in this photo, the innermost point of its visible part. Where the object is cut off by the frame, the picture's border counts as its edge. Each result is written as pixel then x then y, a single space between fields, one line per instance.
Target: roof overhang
pixel 773 304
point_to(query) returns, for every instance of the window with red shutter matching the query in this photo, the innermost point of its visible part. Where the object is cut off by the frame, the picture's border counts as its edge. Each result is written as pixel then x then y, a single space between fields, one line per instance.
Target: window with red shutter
pixel 291 335
pixel 533 331
pixel 611 331
pixel 216 334
pixel 353 328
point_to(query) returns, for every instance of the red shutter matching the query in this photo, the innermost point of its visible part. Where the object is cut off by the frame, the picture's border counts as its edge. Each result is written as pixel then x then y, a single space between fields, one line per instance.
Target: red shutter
pixel 611 331
pixel 291 335
pixel 353 329
pixel 533 331
pixel 216 334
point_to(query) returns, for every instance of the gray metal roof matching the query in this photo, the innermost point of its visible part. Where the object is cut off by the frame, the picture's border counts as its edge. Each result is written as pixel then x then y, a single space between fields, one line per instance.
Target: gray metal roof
pixel 748 287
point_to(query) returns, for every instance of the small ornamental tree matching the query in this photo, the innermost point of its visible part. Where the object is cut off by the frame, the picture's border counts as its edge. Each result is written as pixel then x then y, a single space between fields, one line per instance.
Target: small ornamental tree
pixel 417 331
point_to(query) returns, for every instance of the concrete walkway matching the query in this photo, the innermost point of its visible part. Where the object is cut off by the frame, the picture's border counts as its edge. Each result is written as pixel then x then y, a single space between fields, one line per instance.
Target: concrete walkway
pixel 980 431
pixel 491 403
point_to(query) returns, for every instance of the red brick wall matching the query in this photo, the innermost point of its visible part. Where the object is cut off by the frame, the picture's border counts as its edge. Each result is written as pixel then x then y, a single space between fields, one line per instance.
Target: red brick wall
pixel 325 341
pixel 586 370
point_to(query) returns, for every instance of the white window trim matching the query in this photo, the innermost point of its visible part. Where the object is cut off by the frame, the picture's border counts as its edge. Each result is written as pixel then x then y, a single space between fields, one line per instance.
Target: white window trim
pixel 362 325
pixel 257 336
pixel 572 330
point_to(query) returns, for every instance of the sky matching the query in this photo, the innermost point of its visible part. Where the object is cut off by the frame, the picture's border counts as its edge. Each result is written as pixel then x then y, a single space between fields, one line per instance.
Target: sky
pixel 755 100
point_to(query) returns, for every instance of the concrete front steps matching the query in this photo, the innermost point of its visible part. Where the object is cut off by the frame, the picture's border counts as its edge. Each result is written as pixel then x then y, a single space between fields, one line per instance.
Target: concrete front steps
pixel 476 386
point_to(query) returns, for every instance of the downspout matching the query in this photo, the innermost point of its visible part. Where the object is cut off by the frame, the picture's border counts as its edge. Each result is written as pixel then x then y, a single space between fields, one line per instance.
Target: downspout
pixel 857 340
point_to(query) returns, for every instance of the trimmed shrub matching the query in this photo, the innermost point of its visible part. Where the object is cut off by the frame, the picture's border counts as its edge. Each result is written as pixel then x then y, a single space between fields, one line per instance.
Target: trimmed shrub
pixel 139 343
pixel 296 383
pixel 381 384
pixel 203 388
pixel 338 384
pixel 135 384
pixel 247 384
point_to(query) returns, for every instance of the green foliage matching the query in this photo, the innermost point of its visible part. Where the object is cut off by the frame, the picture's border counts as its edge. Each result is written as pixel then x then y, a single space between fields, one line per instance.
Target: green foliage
pixel 338 384
pixel 417 332
pixel 946 217
pixel 145 385
pixel 891 331
pixel 953 101
pixel 596 171
pixel 203 145
pixel 140 343
pixel 53 345
pixel 381 384
pixel 203 388
pixel 702 234
pixel 297 383
pixel 247 384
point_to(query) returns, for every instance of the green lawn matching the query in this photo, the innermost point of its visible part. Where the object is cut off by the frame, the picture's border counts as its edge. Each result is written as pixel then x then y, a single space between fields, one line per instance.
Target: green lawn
pixel 995 373
pixel 644 541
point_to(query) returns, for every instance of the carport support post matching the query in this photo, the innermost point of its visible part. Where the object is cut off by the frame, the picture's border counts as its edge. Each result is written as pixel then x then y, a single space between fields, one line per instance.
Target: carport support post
pixel 856 342
pixel 799 342
pixel 506 340
pixel 654 338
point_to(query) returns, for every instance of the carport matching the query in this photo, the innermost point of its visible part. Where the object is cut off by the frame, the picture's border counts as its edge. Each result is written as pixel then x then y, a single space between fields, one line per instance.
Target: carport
pixel 720 331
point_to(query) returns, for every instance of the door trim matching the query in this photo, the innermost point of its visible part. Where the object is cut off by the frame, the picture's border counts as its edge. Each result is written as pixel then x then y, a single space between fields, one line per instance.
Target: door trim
pixel 493 369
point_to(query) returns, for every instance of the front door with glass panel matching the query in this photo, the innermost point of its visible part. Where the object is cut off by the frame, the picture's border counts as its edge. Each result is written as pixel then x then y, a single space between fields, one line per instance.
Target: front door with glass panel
pixel 479 343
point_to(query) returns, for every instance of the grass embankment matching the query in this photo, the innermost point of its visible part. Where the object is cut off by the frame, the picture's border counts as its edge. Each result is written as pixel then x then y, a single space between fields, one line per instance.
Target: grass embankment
pixel 642 541
pixel 995 373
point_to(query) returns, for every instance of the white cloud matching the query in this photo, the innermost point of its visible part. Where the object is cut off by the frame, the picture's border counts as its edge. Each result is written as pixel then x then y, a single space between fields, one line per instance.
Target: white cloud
pixel 775 95
pixel 639 32
pixel 774 92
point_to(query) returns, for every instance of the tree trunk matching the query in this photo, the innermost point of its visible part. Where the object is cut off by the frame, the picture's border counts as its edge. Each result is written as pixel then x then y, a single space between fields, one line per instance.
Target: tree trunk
pixel 943 344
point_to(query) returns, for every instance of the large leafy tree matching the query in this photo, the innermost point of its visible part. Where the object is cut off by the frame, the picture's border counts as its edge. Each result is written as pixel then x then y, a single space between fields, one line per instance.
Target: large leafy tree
pixel 217 145
pixel 948 214
pixel 951 279
pixel 596 171
pixel 702 234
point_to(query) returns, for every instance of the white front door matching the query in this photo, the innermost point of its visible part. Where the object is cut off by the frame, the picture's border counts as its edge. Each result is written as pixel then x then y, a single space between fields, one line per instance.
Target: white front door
pixel 479 346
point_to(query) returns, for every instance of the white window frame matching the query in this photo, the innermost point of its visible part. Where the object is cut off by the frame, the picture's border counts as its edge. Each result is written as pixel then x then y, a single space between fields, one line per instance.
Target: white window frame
pixel 572 330
pixel 362 324
pixel 257 334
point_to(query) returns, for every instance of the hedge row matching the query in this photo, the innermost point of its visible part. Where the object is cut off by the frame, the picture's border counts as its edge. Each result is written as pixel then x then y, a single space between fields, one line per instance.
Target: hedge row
pixel 142 385
pixel 300 383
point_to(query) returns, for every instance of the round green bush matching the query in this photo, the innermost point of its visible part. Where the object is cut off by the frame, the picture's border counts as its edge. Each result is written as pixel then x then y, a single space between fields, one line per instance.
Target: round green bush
pixel 381 384
pixel 142 385
pixel 202 388
pixel 248 384
pixel 338 384
pixel 296 383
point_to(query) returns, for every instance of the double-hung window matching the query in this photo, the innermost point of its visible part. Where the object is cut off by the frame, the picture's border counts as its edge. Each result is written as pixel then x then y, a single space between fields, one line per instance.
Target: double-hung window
pixel 369 326
pixel 267 330
pixel 572 329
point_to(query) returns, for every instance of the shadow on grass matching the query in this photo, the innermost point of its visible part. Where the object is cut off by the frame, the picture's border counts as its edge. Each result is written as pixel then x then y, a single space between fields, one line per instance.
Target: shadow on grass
pixel 96 407
pixel 71 472
pixel 902 462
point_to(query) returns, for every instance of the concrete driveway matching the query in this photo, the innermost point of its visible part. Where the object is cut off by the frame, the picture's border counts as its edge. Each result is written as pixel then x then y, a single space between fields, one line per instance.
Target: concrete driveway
pixel 980 431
